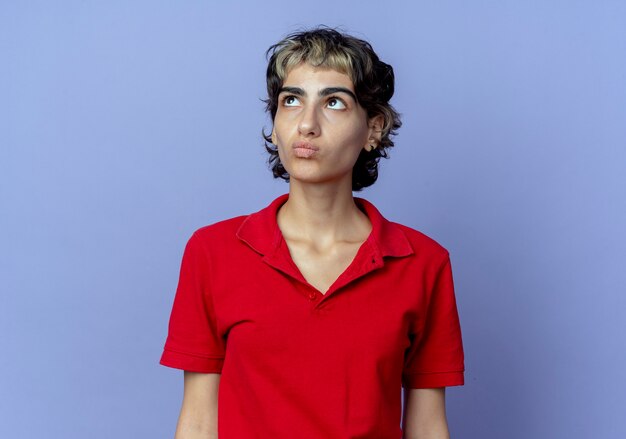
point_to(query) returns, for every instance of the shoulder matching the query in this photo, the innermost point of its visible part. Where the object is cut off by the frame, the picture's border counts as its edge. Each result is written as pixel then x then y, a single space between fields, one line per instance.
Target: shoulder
pixel 218 237
pixel 423 244
pixel 396 238
pixel 221 227
pixel 218 231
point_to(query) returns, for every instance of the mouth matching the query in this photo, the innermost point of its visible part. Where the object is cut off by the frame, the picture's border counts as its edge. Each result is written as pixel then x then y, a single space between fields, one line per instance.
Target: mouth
pixel 304 149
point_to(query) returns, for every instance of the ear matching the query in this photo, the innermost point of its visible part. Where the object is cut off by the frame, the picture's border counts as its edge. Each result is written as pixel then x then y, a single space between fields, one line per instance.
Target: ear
pixel 375 130
pixel 273 137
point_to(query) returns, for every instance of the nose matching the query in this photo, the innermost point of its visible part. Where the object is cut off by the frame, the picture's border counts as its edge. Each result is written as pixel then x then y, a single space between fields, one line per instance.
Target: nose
pixel 308 126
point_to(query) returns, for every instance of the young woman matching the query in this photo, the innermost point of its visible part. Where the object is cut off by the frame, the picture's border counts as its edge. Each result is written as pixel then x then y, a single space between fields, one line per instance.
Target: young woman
pixel 305 319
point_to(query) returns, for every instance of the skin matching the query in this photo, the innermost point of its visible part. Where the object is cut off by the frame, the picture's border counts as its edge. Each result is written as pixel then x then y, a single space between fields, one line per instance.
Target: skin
pixel 320 222
pixel 425 414
pixel 335 123
pixel 198 414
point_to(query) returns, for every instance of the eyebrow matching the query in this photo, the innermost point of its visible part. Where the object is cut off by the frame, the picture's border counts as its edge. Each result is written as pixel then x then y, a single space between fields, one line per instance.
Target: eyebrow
pixel 324 92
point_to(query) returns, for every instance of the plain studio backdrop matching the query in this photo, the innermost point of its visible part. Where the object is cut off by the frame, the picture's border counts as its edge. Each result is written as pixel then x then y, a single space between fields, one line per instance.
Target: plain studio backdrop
pixel 126 125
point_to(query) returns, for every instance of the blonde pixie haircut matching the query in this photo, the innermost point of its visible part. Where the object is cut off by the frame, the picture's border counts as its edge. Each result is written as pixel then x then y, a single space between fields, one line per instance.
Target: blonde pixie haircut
pixel 373 82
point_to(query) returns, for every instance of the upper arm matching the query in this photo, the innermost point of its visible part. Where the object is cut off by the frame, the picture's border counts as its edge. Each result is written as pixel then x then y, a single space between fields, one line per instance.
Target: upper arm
pixel 194 341
pixel 425 414
pixel 435 356
pixel 198 414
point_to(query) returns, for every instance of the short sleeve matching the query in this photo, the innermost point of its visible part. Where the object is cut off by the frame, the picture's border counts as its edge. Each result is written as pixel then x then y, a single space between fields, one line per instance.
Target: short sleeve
pixel 435 357
pixel 193 342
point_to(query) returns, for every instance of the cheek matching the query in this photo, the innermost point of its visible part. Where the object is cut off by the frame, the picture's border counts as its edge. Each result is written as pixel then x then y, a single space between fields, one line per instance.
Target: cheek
pixel 282 128
pixel 282 138
pixel 355 134
pixel 281 157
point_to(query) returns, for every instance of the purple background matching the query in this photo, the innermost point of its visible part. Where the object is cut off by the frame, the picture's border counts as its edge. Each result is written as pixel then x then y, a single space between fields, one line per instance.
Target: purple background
pixel 124 126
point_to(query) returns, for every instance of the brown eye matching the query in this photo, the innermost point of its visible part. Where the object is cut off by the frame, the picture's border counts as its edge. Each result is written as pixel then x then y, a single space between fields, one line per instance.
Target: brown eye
pixel 336 104
pixel 290 101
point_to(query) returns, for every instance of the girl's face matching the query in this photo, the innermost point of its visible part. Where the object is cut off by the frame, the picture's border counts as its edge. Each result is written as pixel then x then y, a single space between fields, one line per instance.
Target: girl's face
pixel 319 128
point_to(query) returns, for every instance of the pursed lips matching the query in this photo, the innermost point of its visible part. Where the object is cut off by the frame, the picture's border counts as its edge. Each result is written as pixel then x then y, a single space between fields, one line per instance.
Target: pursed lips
pixel 304 149
pixel 305 145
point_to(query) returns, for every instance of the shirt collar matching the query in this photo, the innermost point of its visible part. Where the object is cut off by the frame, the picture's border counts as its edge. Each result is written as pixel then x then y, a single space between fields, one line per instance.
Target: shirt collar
pixel 261 232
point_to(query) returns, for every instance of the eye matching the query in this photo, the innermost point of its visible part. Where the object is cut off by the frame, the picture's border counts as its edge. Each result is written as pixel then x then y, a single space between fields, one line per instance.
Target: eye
pixel 290 101
pixel 336 104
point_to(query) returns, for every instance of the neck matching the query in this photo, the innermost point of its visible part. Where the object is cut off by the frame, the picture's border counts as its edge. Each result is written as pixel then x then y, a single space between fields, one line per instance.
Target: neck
pixel 323 214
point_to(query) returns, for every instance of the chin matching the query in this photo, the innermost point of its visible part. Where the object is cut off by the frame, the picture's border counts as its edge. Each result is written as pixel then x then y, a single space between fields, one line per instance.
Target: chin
pixel 310 171
pixel 303 177
pixel 316 178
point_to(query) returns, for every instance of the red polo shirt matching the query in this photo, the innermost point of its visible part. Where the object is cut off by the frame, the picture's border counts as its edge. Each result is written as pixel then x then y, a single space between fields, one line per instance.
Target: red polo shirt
pixel 296 363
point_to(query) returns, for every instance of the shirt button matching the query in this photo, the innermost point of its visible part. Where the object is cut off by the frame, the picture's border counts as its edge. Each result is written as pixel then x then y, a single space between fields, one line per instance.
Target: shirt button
pixel 312 295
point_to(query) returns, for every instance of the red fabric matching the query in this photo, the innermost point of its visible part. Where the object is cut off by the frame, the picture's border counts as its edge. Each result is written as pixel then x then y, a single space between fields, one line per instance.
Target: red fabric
pixel 298 363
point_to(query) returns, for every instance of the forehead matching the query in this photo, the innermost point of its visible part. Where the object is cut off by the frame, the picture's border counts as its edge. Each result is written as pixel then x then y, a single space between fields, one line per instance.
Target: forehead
pixel 308 76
